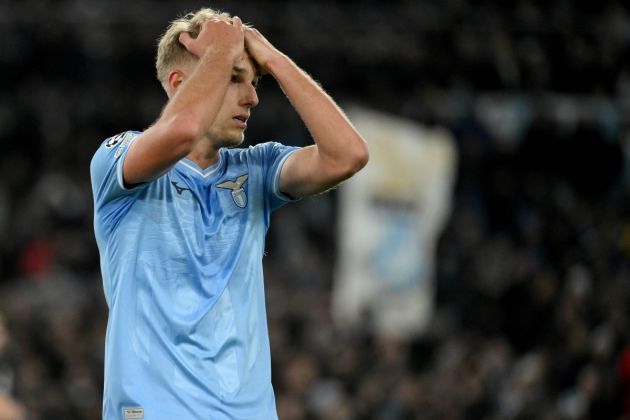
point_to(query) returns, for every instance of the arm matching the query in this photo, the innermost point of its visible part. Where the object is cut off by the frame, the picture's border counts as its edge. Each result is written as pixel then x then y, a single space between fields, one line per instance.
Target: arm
pixel 339 150
pixel 192 107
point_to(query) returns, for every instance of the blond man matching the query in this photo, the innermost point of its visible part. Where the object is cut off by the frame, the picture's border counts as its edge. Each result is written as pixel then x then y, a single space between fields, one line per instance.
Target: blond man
pixel 180 220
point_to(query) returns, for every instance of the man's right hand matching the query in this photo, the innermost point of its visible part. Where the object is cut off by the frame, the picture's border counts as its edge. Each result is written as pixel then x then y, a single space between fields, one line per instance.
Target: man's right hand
pixel 218 35
pixel 197 94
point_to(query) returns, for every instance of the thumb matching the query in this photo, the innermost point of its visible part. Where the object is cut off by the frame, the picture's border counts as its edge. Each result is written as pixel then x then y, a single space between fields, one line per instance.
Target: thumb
pixel 184 39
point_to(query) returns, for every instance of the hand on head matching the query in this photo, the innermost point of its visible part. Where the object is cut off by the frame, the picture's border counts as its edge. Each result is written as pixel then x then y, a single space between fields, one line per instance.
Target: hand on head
pixel 217 34
pixel 260 49
pixel 232 39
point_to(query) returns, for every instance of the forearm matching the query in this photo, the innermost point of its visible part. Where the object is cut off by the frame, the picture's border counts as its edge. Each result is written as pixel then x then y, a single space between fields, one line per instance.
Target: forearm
pixel 339 151
pixel 183 122
pixel 197 101
pixel 197 97
pixel 197 88
pixel 335 137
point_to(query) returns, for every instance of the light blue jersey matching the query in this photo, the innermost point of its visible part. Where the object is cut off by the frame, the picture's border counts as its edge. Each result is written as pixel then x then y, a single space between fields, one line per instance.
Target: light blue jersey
pixel 181 259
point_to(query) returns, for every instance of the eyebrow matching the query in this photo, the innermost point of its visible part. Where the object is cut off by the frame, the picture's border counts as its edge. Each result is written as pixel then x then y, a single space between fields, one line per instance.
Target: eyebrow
pixel 242 71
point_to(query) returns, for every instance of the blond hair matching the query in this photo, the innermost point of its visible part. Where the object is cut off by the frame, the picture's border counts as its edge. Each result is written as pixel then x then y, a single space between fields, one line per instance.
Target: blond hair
pixel 170 52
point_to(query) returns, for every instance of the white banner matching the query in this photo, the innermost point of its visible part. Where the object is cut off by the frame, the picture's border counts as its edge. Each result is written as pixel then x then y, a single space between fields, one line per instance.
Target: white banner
pixel 390 217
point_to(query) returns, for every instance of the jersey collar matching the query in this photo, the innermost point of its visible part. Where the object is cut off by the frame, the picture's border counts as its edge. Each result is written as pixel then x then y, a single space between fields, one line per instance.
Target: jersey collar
pixel 204 173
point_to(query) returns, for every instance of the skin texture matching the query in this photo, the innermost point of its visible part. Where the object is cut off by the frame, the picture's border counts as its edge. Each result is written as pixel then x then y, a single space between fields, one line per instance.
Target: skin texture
pixel 211 99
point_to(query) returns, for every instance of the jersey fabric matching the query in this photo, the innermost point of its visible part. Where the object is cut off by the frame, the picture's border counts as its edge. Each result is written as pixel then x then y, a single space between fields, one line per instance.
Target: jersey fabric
pixel 181 261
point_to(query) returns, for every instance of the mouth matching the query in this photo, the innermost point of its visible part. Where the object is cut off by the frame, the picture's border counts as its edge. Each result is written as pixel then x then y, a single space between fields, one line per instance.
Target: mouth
pixel 241 120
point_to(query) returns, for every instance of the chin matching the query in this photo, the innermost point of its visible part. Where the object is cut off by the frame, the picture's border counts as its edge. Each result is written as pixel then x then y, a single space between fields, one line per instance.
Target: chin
pixel 233 142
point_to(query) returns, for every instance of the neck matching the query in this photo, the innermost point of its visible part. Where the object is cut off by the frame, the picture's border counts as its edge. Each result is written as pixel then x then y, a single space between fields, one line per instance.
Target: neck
pixel 204 154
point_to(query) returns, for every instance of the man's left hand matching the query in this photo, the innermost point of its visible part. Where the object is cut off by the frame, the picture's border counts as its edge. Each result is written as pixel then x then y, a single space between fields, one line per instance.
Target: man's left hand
pixel 260 49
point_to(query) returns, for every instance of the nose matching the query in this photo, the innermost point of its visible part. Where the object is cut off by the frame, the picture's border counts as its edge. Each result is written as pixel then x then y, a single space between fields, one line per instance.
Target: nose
pixel 250 96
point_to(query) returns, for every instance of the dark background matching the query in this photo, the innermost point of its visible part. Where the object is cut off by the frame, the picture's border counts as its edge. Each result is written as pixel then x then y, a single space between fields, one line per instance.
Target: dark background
pixel 532 269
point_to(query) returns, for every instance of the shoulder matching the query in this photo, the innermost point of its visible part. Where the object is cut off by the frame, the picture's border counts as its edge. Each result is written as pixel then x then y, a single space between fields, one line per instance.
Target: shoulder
pixel 115 145
pixel 119 139
pixel 104 163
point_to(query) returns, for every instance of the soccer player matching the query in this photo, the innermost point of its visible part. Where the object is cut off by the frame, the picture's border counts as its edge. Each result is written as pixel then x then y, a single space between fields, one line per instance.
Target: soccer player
pixel 180 220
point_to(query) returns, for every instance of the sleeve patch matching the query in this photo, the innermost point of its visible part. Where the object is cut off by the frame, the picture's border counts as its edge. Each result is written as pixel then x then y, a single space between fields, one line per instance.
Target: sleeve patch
pixel 123 145
pixel 113 141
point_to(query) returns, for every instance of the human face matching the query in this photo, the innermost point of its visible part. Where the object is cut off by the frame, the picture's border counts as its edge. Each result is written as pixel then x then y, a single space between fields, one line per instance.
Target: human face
pixel 228 128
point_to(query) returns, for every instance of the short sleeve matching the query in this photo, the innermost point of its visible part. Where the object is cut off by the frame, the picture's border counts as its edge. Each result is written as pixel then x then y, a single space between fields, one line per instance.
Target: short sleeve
pixel 106 168
pixel 272 156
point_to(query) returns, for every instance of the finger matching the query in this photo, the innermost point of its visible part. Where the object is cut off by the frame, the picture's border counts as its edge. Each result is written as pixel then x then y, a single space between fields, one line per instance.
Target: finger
pixel 184 39
pixel 250 34
pixel 236 21
pixel 253 33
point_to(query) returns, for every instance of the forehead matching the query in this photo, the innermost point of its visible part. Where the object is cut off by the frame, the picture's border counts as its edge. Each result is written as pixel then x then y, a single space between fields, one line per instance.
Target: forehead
pixel 246 66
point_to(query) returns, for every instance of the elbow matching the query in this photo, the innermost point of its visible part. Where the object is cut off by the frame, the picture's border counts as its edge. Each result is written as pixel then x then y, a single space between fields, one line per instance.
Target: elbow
pixel 353 161
pixel 360 157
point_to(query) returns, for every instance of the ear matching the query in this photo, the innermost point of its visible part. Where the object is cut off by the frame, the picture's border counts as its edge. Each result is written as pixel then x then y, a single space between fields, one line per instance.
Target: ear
pixel 175 78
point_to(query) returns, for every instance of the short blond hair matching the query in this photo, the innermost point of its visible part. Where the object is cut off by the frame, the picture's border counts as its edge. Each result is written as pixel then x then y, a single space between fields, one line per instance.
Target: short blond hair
pixel 170 52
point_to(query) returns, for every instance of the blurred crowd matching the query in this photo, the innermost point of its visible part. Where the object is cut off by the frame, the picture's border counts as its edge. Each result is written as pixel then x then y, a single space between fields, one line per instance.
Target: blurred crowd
pixel 533 269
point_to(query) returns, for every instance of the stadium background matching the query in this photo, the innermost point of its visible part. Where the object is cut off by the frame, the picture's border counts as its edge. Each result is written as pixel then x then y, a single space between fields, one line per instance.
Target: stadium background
pixel 532 269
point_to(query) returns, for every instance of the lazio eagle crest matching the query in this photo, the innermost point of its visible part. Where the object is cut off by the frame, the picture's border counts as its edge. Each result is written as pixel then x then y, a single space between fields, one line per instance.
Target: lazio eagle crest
pixel 238 193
